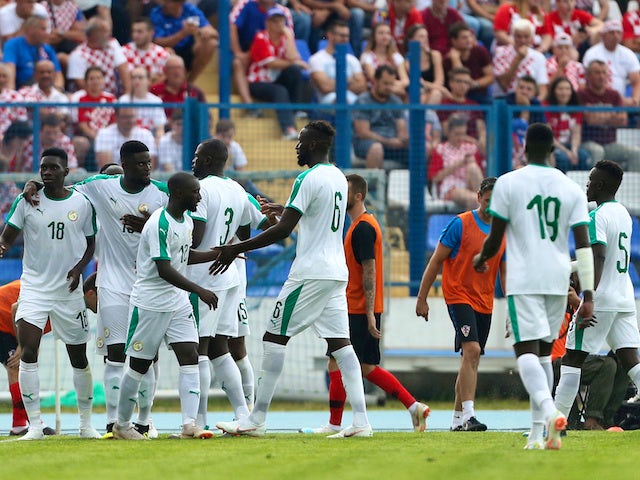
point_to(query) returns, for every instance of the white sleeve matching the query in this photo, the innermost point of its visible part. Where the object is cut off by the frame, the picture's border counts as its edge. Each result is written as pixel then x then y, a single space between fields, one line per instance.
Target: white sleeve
pixel 15 217
pixel 90 227
pixel 76 67
pixel 301 194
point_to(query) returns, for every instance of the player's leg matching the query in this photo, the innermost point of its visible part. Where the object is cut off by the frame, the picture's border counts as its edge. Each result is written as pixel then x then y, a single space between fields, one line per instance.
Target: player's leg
pixel 204 319
pixel 29 336
pixel 337 397
pixel 238 350
pixel 624 339
pixel 8 346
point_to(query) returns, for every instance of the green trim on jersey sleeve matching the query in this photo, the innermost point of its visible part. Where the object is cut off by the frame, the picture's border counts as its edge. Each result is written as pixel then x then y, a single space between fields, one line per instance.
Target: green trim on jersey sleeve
pixel 262 222
pixel 94 223
pixel 163 230
pixel 496 214
pixel 100 176
pixel 296 186
pixel 14 205
pixel 162 186
pixel 593 237
pixel 199 219
pixel 294 208
pixel 253 201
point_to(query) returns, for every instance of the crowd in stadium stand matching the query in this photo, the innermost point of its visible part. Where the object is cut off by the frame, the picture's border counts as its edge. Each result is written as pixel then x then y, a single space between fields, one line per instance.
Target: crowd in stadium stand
pixel 529 52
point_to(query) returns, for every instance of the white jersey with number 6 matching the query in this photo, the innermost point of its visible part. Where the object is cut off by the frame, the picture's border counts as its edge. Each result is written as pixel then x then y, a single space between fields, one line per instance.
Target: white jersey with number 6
pixel 224 207
pixel 611 226
pixel 320 195
pixel 540 205
pixel 55 234
pixel 117 244
pixel 163 238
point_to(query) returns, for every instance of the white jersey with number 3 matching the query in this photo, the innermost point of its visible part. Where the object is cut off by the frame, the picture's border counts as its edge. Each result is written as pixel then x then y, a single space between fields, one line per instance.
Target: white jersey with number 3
pixel 163 238
pixel 540 205
pixel 320 195
pixel 611 226
pixel 55 234
pixel 117 244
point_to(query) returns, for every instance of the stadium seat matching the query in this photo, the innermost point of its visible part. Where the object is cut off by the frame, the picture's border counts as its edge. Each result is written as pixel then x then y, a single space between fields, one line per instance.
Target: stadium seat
pixel 305 54
pixel 10 270
pixel 435 225
pixel 572 244
pixel 269 284
pixel 635 279
pixel 322 44
pixel 265 252
pixel 635 239
pixel 398 194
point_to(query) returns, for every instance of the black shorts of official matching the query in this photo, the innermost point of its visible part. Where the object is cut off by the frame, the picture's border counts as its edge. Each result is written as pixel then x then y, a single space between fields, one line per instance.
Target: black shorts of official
pixel 470 326
pixel 8 343
pixel 367 348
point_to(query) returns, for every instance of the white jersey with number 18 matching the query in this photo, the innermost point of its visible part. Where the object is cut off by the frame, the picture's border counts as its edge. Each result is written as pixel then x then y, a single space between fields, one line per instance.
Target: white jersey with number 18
pixel 320 195
pixel 540 205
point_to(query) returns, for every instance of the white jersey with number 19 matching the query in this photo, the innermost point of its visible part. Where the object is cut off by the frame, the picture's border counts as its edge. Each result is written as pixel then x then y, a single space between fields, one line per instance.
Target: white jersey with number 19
pixel 540 205
pixel 320 195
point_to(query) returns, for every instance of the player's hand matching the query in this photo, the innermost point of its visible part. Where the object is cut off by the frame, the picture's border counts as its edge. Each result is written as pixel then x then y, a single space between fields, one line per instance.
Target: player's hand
pixel 74 277
pixel 30 193
pixel 208 297
pixel 134 222
pixel 479 264
pixel 269 209
pixel 3 248
pixel 14 360
pixel 226 255
pixel 422 309
pixel 584 317
pixel 373 329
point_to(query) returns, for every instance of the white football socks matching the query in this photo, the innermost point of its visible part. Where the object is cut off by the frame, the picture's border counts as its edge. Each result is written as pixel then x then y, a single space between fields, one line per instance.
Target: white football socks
pixel 129 386
pixel 229 376
pixel 189 391
pixel 145 396
pixel 204 371
pixel 567 388
pixel 83 383
pixel 112 378
pixel 535 382
pixel 248 381
pixel 272 365
pixel 30 388
pixel 352 380
pixel 468 410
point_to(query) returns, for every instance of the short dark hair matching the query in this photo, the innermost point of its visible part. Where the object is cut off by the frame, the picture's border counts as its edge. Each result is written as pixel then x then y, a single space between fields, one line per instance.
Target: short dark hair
pixel 50 120
pixel 322 132
pixel 93 68
pixel 56 152
pixel 130 148
pixel 224 125
pixel 107 166
pixel 335 24
pixel 539 141
pixel 456 28
pixel 487 184
pixel 358 184
pixel 528 79
pixel 17 129
pixel 216 150
pixel 146 20
pixel 457 120
pixel 458 71
pixel 178 181
pixel 614 173
pixel 382 69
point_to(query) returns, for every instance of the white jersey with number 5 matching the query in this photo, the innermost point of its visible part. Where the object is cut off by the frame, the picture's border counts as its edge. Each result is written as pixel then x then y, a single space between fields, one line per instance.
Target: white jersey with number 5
pixel 55 234
pixel 320 195
pixel 163 238
pixel 224 207
pixel 611 226
pixel 118 245
pixel 540 205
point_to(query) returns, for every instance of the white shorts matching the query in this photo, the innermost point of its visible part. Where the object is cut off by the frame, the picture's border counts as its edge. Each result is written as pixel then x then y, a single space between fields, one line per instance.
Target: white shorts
pixel 243 319
pixel 113 319
pixel 148 328
pixel 618 329
pixel 224 319
pixel 68 317
pixel 536 317
pixel 318 303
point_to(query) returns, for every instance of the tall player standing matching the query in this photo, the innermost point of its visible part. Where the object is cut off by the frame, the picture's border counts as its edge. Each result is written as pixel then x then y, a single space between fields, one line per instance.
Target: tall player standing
pixel 122 205
pixel 59 241
pixel 314 295
pixel 537 206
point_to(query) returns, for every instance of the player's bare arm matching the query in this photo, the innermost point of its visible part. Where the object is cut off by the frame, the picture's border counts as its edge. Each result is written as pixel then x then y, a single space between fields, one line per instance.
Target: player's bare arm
pixel 172 276
pixel 9 235
pixel 76 271
pixel 135 222
pixel 280 231
pixel 491 244
pixel 429 277
pixel 587 278
pixel 30 192
pixel 369 286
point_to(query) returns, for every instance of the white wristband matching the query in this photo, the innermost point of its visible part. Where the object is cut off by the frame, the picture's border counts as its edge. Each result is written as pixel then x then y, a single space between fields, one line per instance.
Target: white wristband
pixel 584 260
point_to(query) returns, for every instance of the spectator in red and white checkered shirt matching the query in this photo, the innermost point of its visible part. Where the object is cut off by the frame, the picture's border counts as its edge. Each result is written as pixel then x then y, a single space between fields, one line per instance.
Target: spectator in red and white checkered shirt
pixel 51 135
pixel 9 115
pixel 275 72
pixel 562 63
pixel 67 27
pixel 142 52
pixel 631 30
pixel 103 51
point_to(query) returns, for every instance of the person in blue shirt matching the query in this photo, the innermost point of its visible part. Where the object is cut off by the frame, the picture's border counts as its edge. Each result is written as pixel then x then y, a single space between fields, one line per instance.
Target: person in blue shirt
pixel 183 27
pixel 22 53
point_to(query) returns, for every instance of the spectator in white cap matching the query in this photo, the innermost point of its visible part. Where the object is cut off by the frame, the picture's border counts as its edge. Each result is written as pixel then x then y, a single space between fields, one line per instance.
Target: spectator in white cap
pixel 563 62
pixel 623 65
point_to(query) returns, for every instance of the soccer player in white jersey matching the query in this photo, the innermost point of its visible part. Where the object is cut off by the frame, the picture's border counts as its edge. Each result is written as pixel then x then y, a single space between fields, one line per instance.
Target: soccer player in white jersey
pixel 615 306
pixel 314 295
pixel 223 209
pixel 122 205
pixel 59 241
pixel 537 206
pixel 160 308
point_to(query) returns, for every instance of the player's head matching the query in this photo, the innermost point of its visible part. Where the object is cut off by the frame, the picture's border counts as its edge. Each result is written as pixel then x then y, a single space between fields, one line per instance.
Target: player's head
pixel 184 191
pixel 91 293
pixel 357 190
pixel 314 142
pixel 210 158
pixel 538 143
pixel 604 180
pixel 53 167
pixel 136 162
pixel 485 191
pixel 111 169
